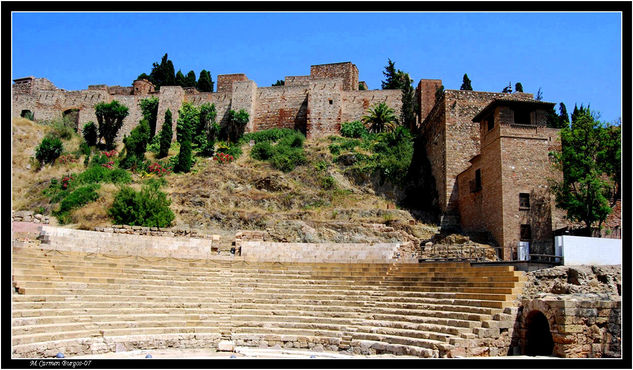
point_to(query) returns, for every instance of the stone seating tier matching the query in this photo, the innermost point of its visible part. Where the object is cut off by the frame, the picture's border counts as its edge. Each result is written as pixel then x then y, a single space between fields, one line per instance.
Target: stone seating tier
pixel 81 303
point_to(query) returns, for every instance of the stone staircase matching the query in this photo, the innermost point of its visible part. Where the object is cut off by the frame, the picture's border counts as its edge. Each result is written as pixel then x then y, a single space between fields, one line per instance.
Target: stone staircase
pixel 82 303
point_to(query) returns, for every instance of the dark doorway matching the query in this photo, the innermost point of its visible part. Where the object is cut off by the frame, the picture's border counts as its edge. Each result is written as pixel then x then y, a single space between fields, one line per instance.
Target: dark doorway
pixel 27 114
pixel 538 337
pixel 71 118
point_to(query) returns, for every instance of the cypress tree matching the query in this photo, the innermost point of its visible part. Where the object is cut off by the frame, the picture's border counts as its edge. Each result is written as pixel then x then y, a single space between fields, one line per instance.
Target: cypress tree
pixel 170 74
pixel 166 134
pixel 149 107
pixel 190 80
pixel 563 116
pixel 180 79
pixel 466 83
pixel 205 83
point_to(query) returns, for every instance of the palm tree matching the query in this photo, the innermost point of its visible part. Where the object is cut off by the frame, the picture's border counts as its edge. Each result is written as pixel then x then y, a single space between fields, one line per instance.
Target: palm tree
pixel 379 118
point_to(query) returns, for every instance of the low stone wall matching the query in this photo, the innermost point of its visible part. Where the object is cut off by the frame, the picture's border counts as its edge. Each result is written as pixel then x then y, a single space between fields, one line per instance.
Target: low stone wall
pixel 155 231
pixel 582 305
pixel 320 252
pixel 28 216
pixel 580 327
pixel 58 238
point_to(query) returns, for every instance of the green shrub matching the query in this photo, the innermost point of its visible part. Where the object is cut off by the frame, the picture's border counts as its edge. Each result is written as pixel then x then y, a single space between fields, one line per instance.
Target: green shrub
pixel 271 135
pixel 354 129
pixel 287 158
pixel 76 199
pixel 327 182
pixel 148 207
pixel 262 151
pixel 135 145
pixel 335 149
pixel 84 149
pixel 232 149
pixel 154 145
pixel 294 141
pixel 99 174
pixel 90 133
pixel 49 150
pixel 236 124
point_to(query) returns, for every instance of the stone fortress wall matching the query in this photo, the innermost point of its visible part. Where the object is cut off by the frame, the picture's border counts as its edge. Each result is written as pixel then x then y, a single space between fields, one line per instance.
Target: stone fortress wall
pixel 316 104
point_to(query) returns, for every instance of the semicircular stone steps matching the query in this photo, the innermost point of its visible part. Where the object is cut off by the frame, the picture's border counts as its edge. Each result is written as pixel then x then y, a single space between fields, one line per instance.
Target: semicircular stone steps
pixel 81 303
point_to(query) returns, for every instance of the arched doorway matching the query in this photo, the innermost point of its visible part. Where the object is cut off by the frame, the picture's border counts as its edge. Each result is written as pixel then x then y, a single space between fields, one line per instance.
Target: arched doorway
pixel 538 337
pixel 71 118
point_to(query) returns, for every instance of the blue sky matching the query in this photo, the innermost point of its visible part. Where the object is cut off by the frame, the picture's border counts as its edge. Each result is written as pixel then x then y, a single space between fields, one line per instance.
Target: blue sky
pixel 572 57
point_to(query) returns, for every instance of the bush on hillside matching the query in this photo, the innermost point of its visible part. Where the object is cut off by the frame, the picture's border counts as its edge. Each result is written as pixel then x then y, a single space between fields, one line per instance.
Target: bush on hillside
pixel 49 150
pixel 89 133
pixel 355 129
pixel 148 207
pixel 76 199
pixel 262 151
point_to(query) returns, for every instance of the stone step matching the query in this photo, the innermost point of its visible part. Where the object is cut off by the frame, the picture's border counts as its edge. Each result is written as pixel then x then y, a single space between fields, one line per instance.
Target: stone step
pixel 95 345
pixel 117 325
pixel 95 333
pixel 407 341
pixel 378 347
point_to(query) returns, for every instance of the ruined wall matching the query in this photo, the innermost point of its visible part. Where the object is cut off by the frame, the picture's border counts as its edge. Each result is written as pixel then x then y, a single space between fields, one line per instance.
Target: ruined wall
pixel 356 103
pixel 324 107
pixel 281 107
pixel 346 71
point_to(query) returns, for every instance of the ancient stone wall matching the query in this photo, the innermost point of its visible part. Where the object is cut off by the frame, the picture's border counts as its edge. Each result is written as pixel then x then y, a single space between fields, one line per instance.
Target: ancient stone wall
pixel 122 243
pixel 171 97
pixel 346 71
pixel 225 82
pixel 296 80
pixel 221 100
pixel 582 305
pixel 425 93
pixel 356 103
pixel 261 251
pixel 282 107
pixel 461 142
pixel 526 168
pixel 324 107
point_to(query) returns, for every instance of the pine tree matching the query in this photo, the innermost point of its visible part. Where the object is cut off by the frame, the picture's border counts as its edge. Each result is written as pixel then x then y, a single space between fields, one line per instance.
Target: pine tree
pixel 466 83
pixel 205 83
pixel 166 134
pixel 190 80
pixel 391 75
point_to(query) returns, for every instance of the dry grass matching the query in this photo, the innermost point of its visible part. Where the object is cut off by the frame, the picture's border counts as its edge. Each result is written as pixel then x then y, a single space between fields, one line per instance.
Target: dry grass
pixel 27 183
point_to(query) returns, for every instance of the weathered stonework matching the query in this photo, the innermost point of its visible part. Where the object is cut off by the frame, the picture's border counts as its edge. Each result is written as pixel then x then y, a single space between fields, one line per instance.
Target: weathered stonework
pixel 316 104
pixel 513 162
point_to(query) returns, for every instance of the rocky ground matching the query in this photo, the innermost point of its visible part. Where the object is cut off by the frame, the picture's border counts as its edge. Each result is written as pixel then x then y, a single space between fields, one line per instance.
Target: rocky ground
pixel 598 282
